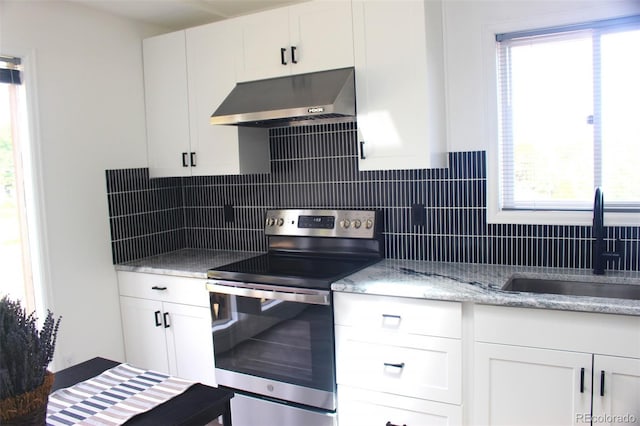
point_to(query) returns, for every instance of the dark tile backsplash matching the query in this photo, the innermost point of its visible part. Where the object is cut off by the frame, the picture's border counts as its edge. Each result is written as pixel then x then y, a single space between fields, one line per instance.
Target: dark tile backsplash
pixel 317 166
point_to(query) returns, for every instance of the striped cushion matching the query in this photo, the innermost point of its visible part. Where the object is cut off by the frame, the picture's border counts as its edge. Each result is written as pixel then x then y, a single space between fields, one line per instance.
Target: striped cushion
pixel 112 397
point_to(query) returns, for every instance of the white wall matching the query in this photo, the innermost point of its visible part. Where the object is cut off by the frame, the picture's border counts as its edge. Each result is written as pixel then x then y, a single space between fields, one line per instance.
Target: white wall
pixel 469 29
pixel 90 117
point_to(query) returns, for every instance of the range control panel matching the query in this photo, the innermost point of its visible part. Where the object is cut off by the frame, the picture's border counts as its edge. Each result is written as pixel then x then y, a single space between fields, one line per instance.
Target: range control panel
pixel 322 223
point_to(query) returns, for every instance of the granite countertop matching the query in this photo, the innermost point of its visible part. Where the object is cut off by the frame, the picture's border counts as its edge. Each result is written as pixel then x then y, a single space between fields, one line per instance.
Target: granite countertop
pixel 482 284
pixel 460 282
pixel 192 263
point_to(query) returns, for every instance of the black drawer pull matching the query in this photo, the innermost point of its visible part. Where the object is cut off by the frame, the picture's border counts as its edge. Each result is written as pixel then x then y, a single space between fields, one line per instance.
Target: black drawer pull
pixel 392 424
pixel 391 316
pixel 362 156
pixel 155 287
pixel 293 55
pixel 601 382
pixel 192 157
pixel 390 364
pixel 185 156
pixel 283 61
pixel 157 315
pixel 582 380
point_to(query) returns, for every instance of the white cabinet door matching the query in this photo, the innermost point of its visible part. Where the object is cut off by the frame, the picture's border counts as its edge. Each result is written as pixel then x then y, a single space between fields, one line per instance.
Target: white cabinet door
pixel 162 335
pixel 322 35
pixel 399 80
pixel 166 104
pixel 263 35
pixel 211 59
pixel 311 36
pixel 528 386
pixel 189 342
pixel 144 335
pixel 616 390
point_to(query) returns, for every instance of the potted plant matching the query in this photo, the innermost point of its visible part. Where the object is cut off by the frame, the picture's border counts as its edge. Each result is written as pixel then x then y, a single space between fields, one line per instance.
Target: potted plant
pixel 25 353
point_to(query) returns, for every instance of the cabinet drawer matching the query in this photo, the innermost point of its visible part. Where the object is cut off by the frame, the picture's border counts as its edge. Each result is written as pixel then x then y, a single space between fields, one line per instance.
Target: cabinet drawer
pixel 606 334
pixel 188 291
pixel 357 407
pixel 410 365
pixel 405 315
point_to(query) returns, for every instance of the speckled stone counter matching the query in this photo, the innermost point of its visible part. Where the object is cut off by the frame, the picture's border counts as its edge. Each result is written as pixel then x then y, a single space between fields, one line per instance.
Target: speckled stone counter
pixel 482 284
pixel 428 280
pixel 192 263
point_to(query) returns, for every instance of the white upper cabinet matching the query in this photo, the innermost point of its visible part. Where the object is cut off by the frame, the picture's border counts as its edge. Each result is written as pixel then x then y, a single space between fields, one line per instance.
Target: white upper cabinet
pixel 187 75
pixel 399 84
pixel 311 36
pixel 221 150
pixel 166 98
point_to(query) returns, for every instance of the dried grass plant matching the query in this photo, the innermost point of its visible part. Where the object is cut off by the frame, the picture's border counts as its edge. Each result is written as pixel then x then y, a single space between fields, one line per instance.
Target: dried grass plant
pixel 25 351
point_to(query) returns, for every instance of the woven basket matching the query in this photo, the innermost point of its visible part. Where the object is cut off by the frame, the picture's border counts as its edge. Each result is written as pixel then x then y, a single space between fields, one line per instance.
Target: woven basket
pixel 29 408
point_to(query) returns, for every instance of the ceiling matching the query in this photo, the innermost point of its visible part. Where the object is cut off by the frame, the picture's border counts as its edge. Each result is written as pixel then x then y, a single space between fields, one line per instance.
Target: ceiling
pixel 181 14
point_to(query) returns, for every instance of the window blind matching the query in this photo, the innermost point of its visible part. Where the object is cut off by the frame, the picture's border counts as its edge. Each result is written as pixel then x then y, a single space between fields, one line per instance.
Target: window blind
pixel 10 70
pixel 554 147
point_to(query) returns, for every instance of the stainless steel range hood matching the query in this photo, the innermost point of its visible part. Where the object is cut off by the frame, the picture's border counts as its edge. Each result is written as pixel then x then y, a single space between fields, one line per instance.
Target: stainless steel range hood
pixel 295 99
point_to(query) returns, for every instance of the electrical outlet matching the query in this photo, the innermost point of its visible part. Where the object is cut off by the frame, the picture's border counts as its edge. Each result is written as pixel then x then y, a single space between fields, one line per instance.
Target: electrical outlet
pixel 229 214
pixel 418 215
pixel 69 360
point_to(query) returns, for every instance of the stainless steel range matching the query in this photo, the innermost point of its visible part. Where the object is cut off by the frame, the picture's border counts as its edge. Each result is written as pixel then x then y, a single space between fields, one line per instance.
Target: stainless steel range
pixel 273 315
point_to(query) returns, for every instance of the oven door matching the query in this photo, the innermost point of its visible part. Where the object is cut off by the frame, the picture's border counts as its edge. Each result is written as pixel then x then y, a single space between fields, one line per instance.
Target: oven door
pixel 274 341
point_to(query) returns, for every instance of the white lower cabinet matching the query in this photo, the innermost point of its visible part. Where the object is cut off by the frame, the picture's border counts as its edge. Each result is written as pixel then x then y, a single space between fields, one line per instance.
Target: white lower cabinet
pixel 536 366
pixel 162 335
pixel 616 390
pixel 519 385
pixel 398 361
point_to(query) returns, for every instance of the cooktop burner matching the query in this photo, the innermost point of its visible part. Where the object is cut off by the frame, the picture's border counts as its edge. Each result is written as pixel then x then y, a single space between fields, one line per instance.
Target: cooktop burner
pixel 296 271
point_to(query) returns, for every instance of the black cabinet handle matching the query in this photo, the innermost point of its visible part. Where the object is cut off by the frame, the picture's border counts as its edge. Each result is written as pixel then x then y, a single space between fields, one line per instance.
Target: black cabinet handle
pixel 362 157
pixel 582 380
pixel 601 382
pixel 391 424
pixel 391 316
pixel 389 364
pixel 184 159
pixel 192 157
pixel 155 287
pixel 165 317
pixel 157 315
pixel 283 50
pixel 293 55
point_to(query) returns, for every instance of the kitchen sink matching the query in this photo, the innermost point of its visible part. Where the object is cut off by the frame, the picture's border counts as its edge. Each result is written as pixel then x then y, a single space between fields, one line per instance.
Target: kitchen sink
pixel 573 288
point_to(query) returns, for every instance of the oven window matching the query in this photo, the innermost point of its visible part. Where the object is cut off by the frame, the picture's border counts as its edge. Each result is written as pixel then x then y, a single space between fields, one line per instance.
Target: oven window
pixel 290 342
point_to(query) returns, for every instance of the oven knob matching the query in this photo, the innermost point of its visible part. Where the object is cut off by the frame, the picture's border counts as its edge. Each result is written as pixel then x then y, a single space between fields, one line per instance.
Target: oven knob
pixel 368 224
pixel 280 222
pixel 345 223
pixel 271 221
pixel 357 223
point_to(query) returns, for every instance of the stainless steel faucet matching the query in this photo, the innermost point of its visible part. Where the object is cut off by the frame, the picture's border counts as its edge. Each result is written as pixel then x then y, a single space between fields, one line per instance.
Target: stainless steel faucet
pixel 600 256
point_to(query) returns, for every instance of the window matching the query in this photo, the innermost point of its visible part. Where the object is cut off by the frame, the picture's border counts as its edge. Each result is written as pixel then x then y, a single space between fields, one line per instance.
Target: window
pixel 569 116
pixel 14 241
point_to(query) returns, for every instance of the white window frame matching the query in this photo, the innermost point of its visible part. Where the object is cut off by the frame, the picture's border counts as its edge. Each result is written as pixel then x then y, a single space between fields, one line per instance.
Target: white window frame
pixel 495 212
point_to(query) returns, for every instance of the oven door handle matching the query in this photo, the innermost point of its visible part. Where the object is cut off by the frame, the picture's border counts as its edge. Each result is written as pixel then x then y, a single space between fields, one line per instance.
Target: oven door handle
pixel 289 294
